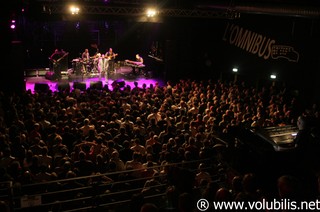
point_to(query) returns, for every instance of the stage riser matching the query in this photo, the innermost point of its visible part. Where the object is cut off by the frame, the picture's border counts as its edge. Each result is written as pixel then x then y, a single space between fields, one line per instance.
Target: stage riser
pixel 120 71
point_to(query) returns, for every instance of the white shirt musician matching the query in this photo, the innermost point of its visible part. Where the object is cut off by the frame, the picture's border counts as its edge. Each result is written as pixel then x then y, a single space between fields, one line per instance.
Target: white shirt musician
pixel 96 59
pixel 103 66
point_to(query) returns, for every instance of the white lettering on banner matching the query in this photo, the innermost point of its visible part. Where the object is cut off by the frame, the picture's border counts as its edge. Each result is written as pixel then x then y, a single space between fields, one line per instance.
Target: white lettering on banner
pixel 258 44
pixel 264 205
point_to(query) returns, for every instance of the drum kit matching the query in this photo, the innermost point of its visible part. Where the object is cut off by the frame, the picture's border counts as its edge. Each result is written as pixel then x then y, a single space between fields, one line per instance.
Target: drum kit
pixel 94 66
pixel 82 67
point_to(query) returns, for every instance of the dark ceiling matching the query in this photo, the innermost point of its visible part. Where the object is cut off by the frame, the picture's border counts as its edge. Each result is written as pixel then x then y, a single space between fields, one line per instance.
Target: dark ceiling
pixel 294 8
pixel 190 3
pixel 310 8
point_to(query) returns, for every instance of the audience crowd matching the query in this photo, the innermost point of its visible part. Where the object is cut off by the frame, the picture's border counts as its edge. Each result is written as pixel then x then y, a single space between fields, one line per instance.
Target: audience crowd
pixel 181 134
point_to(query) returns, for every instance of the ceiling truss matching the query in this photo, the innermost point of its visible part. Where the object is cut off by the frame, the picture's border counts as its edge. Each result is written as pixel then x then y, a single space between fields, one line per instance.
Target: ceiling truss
pixel 134 11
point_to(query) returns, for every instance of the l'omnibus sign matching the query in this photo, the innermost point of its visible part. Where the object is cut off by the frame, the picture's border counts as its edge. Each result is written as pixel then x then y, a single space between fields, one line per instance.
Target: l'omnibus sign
pixel 258 44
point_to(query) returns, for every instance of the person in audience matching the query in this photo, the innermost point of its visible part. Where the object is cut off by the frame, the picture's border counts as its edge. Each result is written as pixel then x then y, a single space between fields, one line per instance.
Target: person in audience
pixel 149 207
pixel 114 158
pixel 202 174
pixel 137 147
pixel 125 153
pixel 289 187
pixel 135 165
pixel 83 166
pixel 212 109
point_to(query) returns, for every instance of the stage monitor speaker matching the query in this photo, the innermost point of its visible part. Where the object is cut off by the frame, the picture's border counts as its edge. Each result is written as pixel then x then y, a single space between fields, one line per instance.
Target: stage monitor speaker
pixel 118 83
pixel 80 85
pixel 96 85
pixel 63 86
pixel 41 87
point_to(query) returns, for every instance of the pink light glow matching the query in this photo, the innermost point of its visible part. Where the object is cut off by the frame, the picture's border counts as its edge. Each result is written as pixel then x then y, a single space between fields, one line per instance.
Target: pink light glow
pixel 53 85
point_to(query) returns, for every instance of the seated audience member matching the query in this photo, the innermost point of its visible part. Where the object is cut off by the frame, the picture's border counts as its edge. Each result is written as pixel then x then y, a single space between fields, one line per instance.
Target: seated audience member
pixel 202 175
pixel 135 165
pixel 83 166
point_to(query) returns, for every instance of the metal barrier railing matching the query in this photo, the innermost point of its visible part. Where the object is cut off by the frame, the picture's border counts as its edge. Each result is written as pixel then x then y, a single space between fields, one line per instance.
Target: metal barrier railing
pixel 95 194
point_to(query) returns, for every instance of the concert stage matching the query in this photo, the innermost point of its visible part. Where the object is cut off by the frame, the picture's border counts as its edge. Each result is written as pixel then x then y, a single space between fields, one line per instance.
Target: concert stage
pixel 37 79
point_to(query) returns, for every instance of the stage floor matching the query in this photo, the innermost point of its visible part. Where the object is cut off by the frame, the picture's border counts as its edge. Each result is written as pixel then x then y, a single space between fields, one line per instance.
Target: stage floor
pixel 69 79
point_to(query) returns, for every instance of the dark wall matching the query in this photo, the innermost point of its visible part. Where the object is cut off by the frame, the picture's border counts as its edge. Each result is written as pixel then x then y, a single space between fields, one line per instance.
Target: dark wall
pixel 205 49
pixel 12 63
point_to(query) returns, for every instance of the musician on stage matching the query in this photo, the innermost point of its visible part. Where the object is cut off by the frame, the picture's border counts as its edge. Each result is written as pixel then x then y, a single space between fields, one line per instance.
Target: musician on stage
pixel 137 64
pixel 85 60
pixel 57 59
pixel 103 66
pixel 139 59
pixel 95 62
pixel 95 55
pixel 110 55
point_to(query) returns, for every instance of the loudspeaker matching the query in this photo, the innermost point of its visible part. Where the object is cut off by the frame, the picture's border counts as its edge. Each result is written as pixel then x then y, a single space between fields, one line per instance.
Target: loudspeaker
pixel 41 87
pixel 50 75
pixel 96 85
pixel 80 85
pixel 63 86
pixel 118 83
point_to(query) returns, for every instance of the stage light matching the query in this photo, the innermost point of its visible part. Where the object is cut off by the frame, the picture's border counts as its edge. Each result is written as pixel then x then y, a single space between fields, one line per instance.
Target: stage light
pixel 151 12
pixel 273 76
pixel 235 71
pixel 74 9
pixel 13 24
